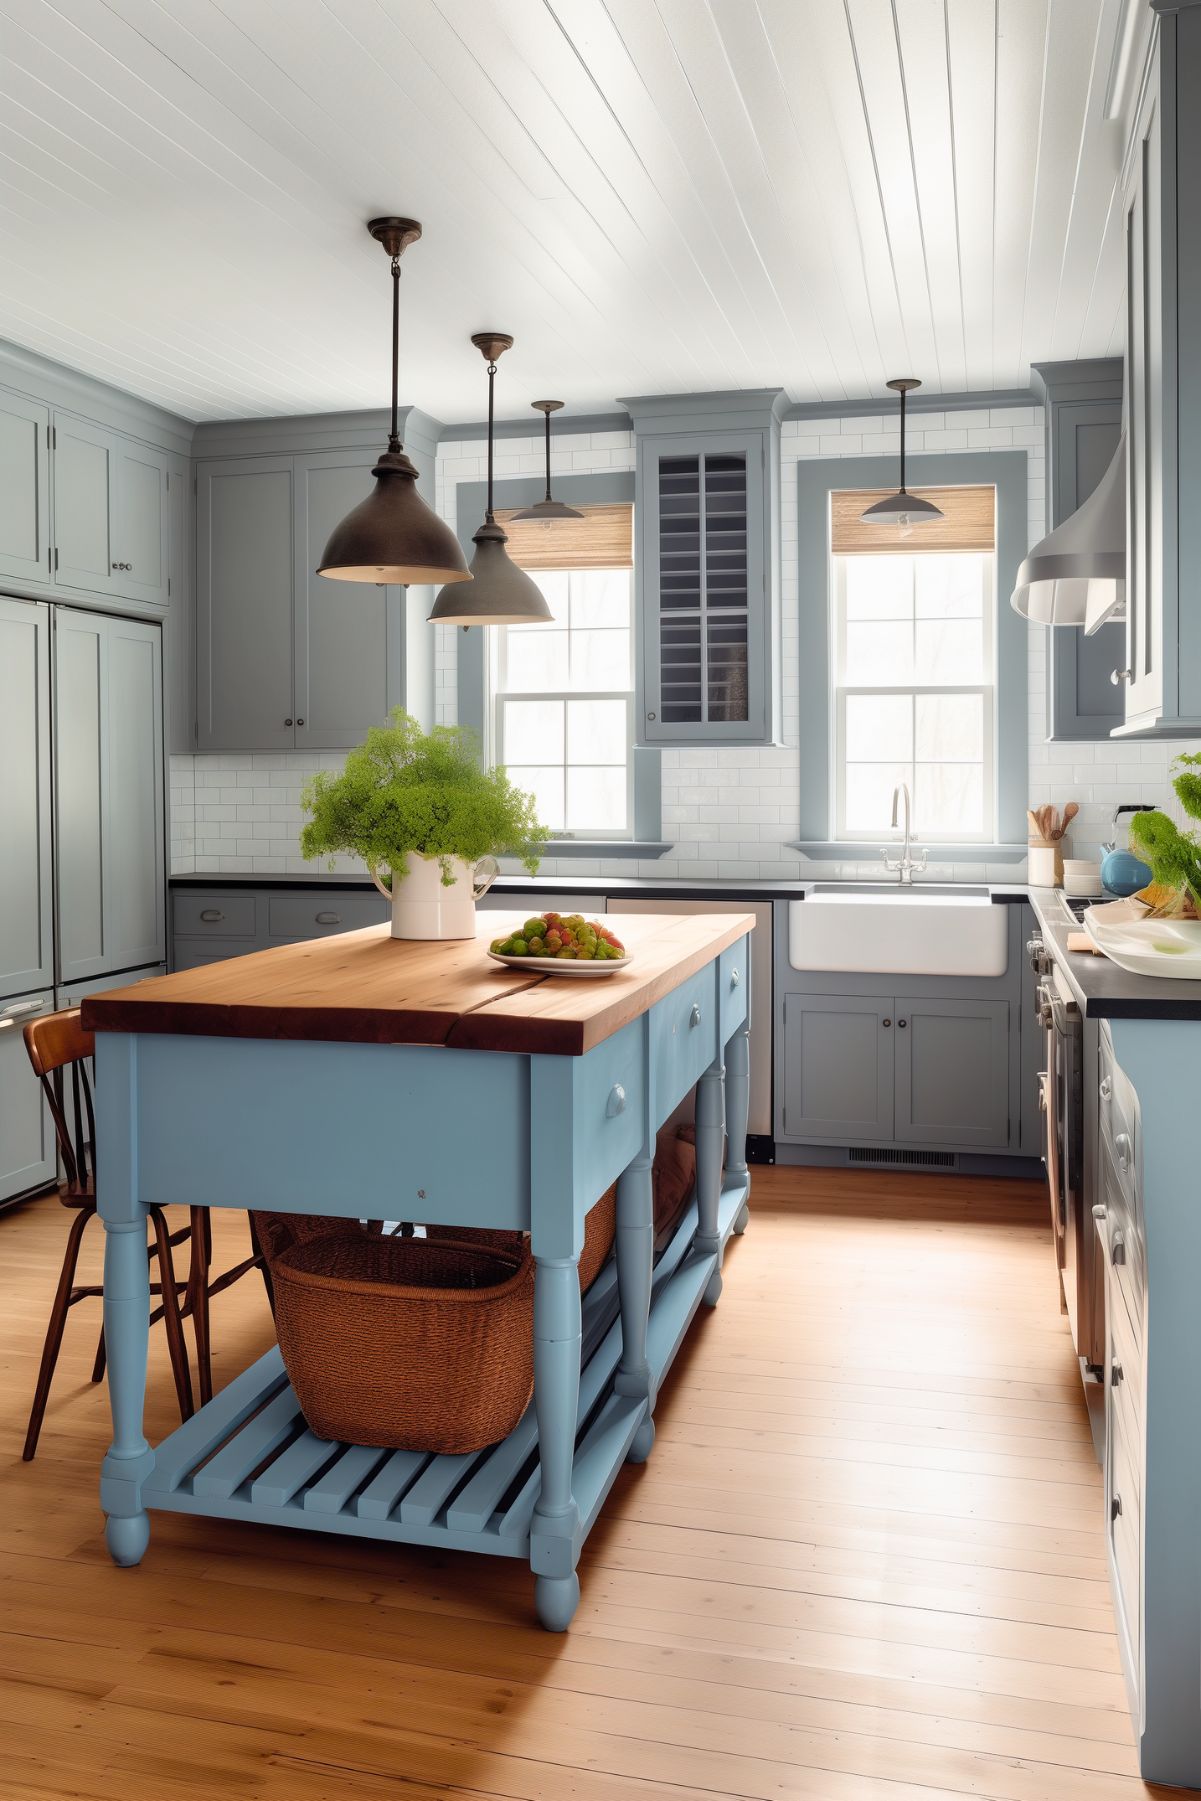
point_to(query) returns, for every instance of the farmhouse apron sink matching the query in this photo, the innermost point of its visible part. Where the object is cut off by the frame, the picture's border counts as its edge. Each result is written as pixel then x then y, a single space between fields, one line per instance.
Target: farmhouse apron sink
pixel 930 931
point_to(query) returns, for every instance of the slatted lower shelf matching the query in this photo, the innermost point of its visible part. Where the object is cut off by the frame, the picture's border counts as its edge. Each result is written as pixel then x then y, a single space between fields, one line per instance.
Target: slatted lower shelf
pixel 248 1453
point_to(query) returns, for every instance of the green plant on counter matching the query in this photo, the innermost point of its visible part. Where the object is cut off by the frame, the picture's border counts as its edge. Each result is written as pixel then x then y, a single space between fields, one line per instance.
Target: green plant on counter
pixel 405 791
pixel 1173 853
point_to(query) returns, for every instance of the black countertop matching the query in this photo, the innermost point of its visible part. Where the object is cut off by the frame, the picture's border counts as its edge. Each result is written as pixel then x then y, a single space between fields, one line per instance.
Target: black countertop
pixel 1102 990
pixel 647 887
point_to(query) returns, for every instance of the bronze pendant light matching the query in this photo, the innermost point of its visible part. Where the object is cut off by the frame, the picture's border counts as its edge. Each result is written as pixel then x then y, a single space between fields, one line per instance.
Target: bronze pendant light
pixel 393 535
pixel 902 508
pixel 499 592
pixel 548 510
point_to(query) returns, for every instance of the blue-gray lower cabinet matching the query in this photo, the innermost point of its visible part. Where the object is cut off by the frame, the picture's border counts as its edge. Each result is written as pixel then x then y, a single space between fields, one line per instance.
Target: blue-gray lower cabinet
pixel 837 1067
pixel 952 1073
pixel 27 1154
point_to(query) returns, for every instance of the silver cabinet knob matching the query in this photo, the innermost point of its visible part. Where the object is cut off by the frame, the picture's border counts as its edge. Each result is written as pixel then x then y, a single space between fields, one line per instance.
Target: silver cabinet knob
pixel 1106 1088
pixel 1100 1211
pixel 212 916
pixel 735 978
pixel 694 1018
pixel 616 1102
pixel 1121 1144
pixel 1118 676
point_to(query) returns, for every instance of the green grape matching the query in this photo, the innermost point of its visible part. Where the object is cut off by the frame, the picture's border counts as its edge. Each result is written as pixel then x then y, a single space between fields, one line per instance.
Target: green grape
pixel 519 948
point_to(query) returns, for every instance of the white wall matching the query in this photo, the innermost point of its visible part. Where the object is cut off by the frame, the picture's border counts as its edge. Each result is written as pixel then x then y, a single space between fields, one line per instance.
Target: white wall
pixel 727 812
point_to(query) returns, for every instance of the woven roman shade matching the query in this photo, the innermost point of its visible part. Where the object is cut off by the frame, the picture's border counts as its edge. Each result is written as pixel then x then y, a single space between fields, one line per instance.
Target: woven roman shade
pixel 969 523
pixel 602 539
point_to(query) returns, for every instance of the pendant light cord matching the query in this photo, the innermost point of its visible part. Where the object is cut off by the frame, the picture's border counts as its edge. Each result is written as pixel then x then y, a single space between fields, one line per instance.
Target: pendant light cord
pixel 394 434
pixel 488 518
pixel 903 488
pixel 546 416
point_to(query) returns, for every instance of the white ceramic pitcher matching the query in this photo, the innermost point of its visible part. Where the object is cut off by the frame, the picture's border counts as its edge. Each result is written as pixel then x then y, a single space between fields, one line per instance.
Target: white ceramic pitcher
pixel 423 906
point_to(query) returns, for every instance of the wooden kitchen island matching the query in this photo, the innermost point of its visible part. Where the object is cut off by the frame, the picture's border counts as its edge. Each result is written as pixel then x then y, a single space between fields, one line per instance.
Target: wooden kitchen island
pixel 365 1076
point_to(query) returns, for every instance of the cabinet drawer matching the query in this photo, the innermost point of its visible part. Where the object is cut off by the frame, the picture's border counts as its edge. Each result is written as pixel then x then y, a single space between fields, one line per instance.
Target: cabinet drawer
pixel 194 953
pixel 214 915
pixel 297 916
pixel 610 1109
pixel 1117 1107
pixel 1125 1378
pixel 1121 1233
pixel 733 988
pixel 683 1039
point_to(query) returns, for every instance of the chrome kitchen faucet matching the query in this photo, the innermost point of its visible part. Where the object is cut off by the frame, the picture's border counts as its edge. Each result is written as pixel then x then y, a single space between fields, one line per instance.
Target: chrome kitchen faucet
pixel 904 865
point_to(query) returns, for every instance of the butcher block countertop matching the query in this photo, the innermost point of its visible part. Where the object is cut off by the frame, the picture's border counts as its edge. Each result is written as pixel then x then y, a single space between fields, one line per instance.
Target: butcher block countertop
pixel 369 988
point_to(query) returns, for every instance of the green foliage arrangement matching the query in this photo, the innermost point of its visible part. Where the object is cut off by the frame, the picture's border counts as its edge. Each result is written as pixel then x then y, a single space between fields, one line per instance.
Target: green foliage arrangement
pixel 1173 854
pixel 405 790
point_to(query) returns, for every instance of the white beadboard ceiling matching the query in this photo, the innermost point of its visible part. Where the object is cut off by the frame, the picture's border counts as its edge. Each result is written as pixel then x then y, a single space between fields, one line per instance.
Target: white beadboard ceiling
pixel 651 195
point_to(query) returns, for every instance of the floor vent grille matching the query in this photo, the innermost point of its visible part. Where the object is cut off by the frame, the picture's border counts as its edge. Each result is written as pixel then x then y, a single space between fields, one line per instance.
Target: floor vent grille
pixel 904 1159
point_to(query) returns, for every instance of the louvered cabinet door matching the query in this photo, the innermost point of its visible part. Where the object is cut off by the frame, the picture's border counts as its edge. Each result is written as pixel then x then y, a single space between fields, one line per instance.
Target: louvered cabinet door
pixel 703 562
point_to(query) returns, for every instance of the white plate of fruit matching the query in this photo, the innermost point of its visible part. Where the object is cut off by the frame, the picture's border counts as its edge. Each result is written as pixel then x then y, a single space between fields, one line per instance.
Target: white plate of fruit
pixel 557 944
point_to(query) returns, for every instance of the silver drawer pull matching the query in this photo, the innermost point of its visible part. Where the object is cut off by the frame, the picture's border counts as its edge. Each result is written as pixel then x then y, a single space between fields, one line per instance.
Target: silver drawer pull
pixel 212 916
pixel 694 1018
pixel 1121 1144
pixel 329 919
pixel 1106 1088
pixel 19 1011
pixel 1100 1211
pixel 1117 1250
pixel 616 1102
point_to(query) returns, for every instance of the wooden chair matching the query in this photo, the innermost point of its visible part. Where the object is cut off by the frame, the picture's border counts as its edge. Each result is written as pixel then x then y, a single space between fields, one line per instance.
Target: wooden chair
pixel 58 1045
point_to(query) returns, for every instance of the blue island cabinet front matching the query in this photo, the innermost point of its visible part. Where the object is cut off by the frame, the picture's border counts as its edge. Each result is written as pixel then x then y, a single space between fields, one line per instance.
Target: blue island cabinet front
pixel 444 1135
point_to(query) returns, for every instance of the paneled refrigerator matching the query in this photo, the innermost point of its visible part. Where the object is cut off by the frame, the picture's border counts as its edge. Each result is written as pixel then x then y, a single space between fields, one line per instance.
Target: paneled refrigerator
pixel 82 842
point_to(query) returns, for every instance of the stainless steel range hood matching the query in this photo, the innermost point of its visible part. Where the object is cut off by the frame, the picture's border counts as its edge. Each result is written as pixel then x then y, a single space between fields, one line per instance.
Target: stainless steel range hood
pixel 1077 574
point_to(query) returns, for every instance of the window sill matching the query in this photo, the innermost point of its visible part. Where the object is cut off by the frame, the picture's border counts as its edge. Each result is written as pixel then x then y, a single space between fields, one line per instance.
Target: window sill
pixel 647 849
pixel 859 851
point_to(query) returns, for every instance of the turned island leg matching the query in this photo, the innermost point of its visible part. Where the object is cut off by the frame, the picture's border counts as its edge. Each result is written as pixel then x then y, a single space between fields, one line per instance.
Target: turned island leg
pixel 126 1300
pixel 738 1101
pixel 635 1256
pixel 554 1532
pixel 710 1142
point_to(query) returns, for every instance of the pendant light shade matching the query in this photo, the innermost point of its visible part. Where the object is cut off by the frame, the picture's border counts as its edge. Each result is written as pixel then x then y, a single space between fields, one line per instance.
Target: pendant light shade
pixel 394 536
pixel 1077 574
pixel 548 510
pixel 499 593
pixel 901 508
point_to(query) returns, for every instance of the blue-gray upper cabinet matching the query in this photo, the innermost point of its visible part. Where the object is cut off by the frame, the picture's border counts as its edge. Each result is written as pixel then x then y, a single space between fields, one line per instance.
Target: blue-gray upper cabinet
pixel 245 554
pixel 286 658
pixel 25 551
pixel 705 511
pixel 349 636
pixel 1161 673
pixel 26 895
pixel 110 513
pixel 1083 409
pixel 108 782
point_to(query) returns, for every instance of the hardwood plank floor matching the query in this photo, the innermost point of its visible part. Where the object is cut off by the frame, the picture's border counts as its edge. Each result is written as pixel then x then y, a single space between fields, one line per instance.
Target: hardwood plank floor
pixel 864 1563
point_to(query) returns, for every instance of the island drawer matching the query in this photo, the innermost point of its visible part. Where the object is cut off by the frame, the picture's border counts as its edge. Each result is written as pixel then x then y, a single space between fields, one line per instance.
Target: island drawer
pixel 610 1107
pixel 214 915
pixel 1117 1108
pixel 733 987
pixel 684 1037
pixel 300 916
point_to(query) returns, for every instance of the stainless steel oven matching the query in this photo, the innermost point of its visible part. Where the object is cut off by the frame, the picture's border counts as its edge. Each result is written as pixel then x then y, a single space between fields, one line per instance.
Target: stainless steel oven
pixel 1077 1250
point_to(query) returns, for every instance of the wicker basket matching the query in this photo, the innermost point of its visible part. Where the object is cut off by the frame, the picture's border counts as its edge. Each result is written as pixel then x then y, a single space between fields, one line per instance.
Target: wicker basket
pixel 600 1229
pixel 414 1343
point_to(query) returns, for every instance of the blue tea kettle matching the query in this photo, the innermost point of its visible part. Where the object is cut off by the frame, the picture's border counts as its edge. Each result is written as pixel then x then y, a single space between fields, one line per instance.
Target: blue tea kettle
pixel 1123 873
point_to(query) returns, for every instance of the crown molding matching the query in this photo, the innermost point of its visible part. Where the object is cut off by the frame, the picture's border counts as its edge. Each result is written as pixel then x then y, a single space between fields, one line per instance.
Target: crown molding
pixel 55 385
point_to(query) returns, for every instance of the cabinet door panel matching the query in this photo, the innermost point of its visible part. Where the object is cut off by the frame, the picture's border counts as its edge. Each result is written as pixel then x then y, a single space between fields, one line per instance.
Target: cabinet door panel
pixel 78 688
pixel 84 505
pixel 26 901
pixel 140 534
pixel 134 875
pixel 349 635
pixel 109 776
pixel 27 1153
pixel 244 570
pixel 838 1068
pixel 24 489
pixel 953 1073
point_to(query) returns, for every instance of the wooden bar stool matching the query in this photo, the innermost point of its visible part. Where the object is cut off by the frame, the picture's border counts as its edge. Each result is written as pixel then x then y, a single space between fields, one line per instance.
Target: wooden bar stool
pixel 57 1044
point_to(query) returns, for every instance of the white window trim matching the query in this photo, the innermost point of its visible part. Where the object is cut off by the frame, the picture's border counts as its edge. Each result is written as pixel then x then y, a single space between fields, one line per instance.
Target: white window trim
pixel 987 689
pixel 565 695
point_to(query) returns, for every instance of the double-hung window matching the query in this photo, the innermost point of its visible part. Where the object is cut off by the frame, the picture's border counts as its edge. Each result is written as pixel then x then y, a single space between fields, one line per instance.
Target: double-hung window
pixel 914 675
pixel 563 691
